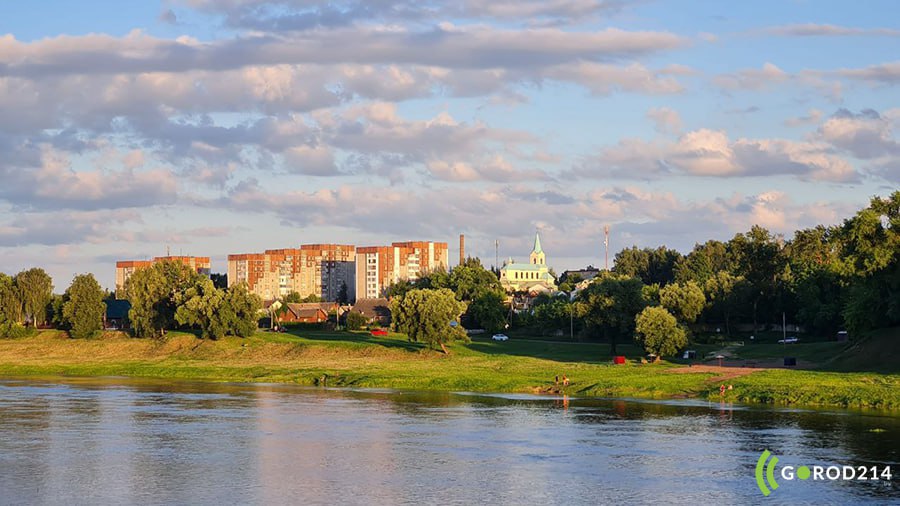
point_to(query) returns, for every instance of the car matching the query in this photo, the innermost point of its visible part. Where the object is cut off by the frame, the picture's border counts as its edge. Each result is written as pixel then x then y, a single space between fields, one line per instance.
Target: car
pixel 500 337
pixel 379 332
pixel 789 340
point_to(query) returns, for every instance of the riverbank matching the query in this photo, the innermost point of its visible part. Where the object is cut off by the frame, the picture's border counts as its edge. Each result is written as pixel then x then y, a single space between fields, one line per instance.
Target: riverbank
pixel 360 360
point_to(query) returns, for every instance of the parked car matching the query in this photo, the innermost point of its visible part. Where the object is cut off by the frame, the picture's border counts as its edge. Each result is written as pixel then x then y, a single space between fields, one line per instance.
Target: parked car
pixel 500 337
pixel 789 340
pixel 379 332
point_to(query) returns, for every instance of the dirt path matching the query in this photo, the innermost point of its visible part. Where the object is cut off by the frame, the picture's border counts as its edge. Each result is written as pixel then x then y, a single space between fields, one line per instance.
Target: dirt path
pixel 724 373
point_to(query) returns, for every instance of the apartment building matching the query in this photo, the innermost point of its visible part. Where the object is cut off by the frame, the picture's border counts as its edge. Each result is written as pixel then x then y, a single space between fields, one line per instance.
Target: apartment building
pixel 311 269
pixel 125 268
pixel 379 266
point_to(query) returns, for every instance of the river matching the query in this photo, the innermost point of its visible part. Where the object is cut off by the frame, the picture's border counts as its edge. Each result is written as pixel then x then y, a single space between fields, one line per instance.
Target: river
pixel 124 441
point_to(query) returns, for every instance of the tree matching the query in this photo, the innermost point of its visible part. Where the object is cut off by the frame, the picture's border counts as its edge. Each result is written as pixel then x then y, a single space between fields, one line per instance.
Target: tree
pixel 471 279
pixel 152 293
pixel 35 289
pixel 438 278
pixel 292 298
pixel 685 301
pixel 488 311
pixel 723 294
pixel 218 312
pixel 650 265
pixel 703 262
pixel 609 305
pixel 343 297
pixel 201 305
pixel 219 280
pixel 10 301
pixel 83 308
pixel 429 316
pixel 555 315
pixel 242 309
pixel 355 320
pixel 758 258
pixel 398 289
pixel 658 332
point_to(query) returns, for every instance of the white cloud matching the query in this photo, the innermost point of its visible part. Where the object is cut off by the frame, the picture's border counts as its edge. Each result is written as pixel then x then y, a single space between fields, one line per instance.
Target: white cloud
pixel 666 120
pixel 712 153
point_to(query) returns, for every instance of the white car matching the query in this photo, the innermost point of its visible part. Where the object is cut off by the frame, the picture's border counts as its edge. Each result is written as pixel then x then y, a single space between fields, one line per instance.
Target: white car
pixel 500 337
pixel 789 340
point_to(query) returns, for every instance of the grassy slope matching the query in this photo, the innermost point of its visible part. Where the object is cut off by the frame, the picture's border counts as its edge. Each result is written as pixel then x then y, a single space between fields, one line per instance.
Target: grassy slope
pixel 361 360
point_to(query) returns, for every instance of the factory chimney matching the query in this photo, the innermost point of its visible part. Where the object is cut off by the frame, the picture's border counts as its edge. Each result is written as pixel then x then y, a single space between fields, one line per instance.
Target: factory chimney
pixel 462 249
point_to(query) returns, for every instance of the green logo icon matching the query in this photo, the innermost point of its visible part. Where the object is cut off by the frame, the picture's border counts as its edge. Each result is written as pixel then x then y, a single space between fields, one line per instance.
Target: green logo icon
pixel 770 473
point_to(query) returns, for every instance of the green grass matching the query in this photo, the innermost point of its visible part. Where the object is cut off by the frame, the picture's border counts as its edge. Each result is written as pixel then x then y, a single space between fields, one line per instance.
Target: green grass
pixel 361 360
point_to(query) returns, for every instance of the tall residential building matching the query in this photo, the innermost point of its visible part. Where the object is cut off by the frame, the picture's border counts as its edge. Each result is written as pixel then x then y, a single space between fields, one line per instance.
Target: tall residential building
pixel 312 269
pixel 125 268
pixel 377 267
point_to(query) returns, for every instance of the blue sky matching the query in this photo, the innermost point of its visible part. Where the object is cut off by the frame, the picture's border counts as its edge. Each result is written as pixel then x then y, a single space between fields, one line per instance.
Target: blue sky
pixel 217 127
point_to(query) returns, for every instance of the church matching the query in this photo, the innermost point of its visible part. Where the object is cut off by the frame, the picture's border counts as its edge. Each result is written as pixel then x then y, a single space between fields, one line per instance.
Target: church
pixel 531 277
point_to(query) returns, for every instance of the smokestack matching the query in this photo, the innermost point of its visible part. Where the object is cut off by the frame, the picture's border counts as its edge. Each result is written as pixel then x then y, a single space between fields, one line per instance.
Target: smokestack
pixel 462 249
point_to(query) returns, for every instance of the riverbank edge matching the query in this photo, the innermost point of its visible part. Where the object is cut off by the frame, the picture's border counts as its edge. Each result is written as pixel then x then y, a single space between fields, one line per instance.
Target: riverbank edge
pixel 361 365
pixel 759 397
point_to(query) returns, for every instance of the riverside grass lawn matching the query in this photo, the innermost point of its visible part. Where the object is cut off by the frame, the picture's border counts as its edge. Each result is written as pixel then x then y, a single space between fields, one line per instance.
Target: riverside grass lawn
pixel 357 359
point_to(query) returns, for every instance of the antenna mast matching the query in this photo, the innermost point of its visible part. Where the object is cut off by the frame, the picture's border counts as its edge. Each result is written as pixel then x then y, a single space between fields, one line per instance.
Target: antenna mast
pixel 606 245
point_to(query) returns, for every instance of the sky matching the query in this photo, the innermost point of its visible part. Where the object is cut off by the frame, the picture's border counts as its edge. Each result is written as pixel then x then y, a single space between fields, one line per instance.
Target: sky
pixel 213 127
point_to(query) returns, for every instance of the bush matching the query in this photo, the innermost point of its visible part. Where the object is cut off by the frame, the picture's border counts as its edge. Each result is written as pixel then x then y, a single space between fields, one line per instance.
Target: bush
pixel 355 321
pixel 11 330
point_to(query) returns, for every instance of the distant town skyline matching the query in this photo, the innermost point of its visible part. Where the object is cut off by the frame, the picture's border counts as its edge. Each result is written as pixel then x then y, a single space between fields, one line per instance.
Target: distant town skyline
pixel 199 127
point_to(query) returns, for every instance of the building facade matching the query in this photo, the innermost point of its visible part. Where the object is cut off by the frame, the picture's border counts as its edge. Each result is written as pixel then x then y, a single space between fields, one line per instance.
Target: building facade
pixel 377 267
pixel 125 268
pixel 531 277
pixel 312 269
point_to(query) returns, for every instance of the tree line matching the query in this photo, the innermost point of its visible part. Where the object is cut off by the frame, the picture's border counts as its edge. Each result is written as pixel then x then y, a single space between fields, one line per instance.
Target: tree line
pixel 165 296
pixel 826 279
pixel 27 302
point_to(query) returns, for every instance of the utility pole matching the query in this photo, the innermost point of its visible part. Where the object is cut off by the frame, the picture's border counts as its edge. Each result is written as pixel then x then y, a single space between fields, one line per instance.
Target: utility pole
pixel 606 245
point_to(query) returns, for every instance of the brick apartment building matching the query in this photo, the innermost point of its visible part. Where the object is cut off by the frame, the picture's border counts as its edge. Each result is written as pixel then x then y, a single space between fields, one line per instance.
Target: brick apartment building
pixel 379 266
pixel 311 269
pixel 125 268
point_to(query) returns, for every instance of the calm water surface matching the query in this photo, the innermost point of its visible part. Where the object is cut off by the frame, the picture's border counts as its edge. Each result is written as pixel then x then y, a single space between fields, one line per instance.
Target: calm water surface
pixel 123 441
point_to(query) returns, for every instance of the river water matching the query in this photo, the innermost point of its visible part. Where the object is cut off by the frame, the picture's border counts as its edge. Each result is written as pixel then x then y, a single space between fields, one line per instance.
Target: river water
pixel 122 441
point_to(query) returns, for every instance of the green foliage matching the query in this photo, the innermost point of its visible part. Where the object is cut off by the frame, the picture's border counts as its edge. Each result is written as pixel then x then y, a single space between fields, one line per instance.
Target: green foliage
pixel 201 305
pixel 35 289
pixel 219 280
pixel 471 279
pixel 703 262
pixel 343 294
pixel 398 289
pixel 652 266
pixel 355 320
pixel 556 314
pixel 243 310
pixel 488 311
pixel 10 301
pixel 438 278
pixel 152 293
pixel 685 301
pixel 13 330
pixel 658 332
pixel 83 308
pixel 724 292
pixel 218 312
pixel 292 298
pixel 609 305
pixel 426 316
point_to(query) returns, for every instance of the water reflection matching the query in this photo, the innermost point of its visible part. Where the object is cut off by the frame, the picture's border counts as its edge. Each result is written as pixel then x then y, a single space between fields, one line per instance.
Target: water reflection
pixel 124 441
